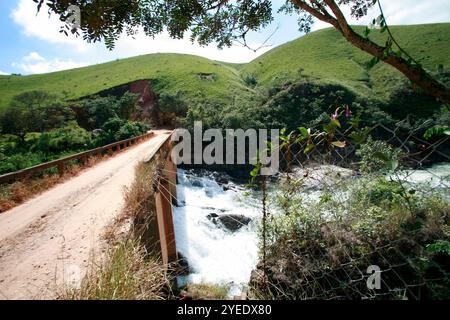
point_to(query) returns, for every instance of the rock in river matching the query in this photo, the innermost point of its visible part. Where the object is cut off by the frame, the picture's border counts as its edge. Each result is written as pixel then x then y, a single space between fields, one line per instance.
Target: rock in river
pixel 230 222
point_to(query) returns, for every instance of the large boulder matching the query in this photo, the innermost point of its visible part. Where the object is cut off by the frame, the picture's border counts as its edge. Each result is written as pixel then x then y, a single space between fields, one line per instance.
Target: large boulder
pixel 230 222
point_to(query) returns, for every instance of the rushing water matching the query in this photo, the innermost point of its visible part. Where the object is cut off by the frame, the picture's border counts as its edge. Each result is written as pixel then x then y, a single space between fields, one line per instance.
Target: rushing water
pixel 216 255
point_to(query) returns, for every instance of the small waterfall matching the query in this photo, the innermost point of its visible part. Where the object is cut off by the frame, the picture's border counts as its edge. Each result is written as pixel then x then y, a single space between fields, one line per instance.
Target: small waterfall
pixel 216 254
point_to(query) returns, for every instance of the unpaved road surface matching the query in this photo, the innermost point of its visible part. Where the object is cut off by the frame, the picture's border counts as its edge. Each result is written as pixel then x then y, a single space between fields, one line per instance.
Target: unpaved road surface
pixel 46 243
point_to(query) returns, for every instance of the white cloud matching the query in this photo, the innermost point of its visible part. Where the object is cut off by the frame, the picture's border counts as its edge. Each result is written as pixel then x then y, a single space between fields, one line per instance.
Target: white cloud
pixel 3 73
pixel 33 57
pixel 34 63
pixel 402 12
pixel 43 26
pixel 141 44
pixel 46 28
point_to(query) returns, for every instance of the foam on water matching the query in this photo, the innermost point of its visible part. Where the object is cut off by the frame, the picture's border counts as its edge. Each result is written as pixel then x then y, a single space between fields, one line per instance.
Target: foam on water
pixel 437 176
pixel 215 255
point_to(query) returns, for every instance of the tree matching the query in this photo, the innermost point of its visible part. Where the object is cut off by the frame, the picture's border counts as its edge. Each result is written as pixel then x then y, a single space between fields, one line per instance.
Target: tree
pixel 34 111
pixel 225 22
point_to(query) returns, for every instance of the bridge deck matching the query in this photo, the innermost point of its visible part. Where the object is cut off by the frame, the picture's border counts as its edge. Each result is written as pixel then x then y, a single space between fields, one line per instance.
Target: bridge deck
pixel 52 236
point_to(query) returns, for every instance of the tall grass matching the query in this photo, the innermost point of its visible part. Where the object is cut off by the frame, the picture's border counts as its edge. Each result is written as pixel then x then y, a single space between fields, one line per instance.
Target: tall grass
pixel 140 207
pixel 128 272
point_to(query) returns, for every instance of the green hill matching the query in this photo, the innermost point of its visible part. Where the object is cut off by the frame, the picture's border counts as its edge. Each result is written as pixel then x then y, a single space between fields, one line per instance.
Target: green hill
pixel 198 78
pixel 326 56
pixel 322 56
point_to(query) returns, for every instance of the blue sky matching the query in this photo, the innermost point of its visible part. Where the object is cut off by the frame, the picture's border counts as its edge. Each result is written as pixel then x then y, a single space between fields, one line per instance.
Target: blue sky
pixel 32 44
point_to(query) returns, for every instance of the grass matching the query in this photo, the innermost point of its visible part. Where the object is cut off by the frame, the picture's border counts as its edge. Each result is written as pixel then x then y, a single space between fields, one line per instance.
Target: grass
pixel 322 249
pixel 128 272
pixel 169 73
pixel 205 292
pixel 323 55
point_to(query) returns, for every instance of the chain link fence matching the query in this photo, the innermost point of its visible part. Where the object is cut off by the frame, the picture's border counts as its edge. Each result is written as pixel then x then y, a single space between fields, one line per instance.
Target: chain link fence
pixel 364 214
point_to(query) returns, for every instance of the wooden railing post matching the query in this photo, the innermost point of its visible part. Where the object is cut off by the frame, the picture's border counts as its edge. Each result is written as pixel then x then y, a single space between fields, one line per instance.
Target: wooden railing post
pixel 171 173
pixel 165 223
pixel 61 168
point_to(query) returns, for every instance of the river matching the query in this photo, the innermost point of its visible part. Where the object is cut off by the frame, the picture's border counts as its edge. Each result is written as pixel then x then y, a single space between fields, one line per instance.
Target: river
pixel 220 256
pixel 215 254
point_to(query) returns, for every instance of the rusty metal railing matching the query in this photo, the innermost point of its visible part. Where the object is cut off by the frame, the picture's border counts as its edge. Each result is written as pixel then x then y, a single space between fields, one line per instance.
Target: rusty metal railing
pixel 82 157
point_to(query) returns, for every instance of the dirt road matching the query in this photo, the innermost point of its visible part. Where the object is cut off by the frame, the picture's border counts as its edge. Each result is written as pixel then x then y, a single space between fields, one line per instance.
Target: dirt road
pixel 47 242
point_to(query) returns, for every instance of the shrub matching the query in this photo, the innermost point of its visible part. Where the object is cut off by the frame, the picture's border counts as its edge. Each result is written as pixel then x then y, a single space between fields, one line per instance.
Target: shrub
pixel 250 80
pixel 322 249
pixel 66 139
pixel 377 155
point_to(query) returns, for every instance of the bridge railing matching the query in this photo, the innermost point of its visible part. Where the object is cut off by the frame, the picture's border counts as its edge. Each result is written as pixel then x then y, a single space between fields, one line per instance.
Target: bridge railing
pixel 82 157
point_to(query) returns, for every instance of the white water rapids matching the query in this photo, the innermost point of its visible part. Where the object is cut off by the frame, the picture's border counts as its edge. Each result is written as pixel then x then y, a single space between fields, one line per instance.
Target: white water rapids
pixel 214 254
pixel 218 256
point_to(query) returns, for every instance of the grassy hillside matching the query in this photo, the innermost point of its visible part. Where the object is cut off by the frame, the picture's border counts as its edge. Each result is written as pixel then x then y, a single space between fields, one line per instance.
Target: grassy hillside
pixel 324 56
pixel 197 77
pixel 327 56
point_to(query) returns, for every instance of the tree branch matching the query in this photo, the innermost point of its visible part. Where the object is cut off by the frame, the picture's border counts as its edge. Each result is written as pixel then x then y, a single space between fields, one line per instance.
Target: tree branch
pixel 416 74
pixel 319 15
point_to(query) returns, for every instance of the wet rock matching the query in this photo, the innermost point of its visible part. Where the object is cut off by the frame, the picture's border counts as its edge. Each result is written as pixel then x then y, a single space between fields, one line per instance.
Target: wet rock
pixel 229 222
pixel 221 179
pixel 233 222
pixel 197 183
pixel 182 267
pixel 212 217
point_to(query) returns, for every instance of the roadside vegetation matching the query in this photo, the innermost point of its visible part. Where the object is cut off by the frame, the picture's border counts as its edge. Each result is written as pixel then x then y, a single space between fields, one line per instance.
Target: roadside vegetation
pixel 127 272
pixel 333 224
pixel 36 127
pixel 323 249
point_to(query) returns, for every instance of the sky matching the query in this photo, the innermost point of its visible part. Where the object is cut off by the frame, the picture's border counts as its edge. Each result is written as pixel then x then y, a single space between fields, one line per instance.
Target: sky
pixel 30 43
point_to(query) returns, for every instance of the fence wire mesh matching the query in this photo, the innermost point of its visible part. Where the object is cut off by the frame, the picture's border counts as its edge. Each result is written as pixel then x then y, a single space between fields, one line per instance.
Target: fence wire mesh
pixel 348 228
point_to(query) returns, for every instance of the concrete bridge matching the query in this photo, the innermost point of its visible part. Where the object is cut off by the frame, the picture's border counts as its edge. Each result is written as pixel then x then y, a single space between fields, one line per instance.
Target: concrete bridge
pixel 51 239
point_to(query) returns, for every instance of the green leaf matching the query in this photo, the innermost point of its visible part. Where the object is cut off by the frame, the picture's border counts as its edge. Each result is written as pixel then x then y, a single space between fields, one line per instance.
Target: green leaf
pixel 381 156
pixel 373 62
pixel 392 165
pixel 439 247
pixel 336 123
pixel 255 172
pixel 304 134
pixel 340 144
pixel 309 148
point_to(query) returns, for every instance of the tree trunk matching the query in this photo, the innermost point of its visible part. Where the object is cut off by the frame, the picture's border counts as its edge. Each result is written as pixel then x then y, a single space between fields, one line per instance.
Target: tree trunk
pixel 417 75
pixel 414 73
